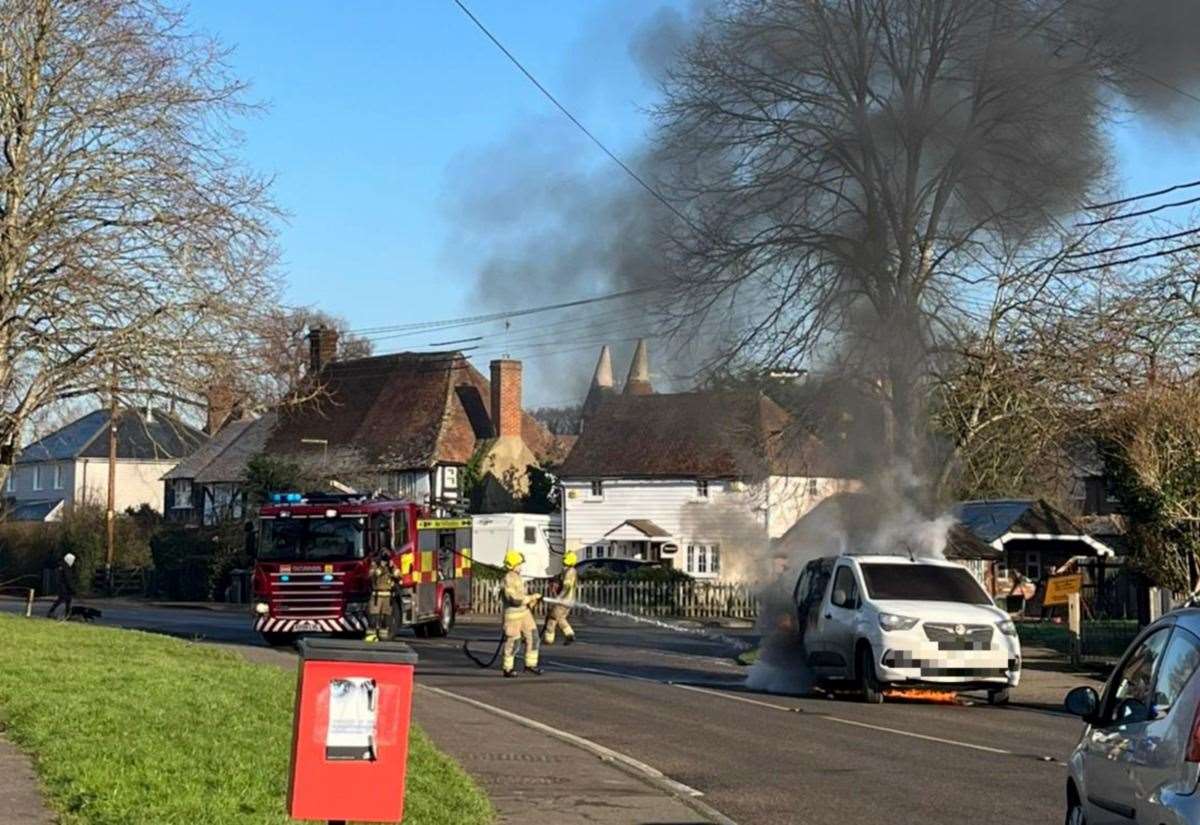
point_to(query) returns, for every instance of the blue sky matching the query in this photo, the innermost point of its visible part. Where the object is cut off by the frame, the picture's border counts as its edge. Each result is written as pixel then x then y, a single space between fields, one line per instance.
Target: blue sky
pixel 372 106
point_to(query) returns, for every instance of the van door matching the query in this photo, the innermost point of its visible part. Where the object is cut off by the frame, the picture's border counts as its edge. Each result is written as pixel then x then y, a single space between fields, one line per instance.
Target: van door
pixel 840 618
pixel 811 613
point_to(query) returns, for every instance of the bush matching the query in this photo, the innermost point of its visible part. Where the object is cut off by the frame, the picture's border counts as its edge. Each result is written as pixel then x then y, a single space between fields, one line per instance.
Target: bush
pixel 26 548
pixel 193 564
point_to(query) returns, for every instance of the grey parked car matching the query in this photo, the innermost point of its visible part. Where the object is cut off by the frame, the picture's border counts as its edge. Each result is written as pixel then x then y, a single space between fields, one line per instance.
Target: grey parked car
pixel 1138 760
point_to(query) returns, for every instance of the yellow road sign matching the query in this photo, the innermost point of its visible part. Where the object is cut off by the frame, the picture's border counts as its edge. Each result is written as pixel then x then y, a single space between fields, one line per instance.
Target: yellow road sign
pixel 1059 588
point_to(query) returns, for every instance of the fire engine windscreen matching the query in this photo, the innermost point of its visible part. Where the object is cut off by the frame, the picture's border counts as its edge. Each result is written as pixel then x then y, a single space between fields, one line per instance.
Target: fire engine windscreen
pixel 922 583
pixel 317 539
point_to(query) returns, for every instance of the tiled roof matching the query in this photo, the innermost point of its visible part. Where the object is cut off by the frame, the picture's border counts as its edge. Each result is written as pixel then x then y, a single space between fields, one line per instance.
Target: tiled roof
pixel 699 434
pixel 223 457
pixel 991 519
pixel 403 411
pixel 157 436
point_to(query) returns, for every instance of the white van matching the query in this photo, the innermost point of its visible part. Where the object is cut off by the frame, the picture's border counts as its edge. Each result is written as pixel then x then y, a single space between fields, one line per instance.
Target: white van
pixel 495 534
pixel 891 621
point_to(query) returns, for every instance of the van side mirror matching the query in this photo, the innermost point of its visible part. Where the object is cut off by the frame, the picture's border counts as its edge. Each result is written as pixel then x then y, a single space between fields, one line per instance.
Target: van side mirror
pixel 839 598
pixel 1083 702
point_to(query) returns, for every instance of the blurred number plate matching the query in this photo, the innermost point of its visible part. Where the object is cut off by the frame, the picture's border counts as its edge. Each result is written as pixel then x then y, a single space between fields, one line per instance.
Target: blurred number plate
pixel 307 626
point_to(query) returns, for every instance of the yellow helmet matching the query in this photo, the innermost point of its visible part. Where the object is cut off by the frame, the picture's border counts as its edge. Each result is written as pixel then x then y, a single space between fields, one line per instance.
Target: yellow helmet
pixel 570 559
pixel 514 559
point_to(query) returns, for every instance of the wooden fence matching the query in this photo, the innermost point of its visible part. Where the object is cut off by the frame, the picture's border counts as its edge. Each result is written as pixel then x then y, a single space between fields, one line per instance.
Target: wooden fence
pixel 684 599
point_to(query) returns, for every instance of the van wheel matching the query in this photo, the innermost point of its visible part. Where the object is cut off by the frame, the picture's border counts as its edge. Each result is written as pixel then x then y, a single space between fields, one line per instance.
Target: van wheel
pixel 998 697
pixel 868 681
pixel 445 619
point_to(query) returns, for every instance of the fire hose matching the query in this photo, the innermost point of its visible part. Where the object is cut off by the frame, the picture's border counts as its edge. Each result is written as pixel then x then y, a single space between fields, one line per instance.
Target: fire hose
pixel 499 646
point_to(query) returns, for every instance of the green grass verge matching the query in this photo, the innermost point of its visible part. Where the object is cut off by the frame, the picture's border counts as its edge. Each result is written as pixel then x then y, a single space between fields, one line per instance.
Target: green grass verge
pixel 130 727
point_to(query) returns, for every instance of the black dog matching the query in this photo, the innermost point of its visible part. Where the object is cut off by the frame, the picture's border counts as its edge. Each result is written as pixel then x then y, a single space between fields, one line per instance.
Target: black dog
pixel 84 614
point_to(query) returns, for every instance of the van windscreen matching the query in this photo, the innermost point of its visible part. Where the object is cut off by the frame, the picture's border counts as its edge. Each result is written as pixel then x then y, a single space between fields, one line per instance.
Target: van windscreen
pixel 922 583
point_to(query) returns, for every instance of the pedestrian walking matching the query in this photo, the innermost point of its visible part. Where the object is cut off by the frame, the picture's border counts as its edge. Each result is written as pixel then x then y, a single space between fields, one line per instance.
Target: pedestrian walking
pixel 518 618
pixel 65 581
pixel 556 616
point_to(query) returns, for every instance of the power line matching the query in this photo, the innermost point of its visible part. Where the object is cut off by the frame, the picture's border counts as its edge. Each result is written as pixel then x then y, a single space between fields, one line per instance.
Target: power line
pixel 1144 195
pixel 471 320
pixel 1162 253
pixel 653 192
pixel 1140 213
pixel 1134 244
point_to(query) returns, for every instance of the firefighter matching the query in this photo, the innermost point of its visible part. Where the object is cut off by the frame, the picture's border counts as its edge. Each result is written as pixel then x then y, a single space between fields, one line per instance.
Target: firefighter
pixel 518 618
pixel 556 616
pixel 380 609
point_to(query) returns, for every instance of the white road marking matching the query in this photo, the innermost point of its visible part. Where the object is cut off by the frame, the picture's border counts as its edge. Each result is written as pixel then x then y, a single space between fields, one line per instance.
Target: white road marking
pixel 604 672
pixel 911 734
pixel 579 741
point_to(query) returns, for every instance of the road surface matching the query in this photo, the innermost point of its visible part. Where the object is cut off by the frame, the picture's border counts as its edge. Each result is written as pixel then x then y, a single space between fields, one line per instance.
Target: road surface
pixel 678 703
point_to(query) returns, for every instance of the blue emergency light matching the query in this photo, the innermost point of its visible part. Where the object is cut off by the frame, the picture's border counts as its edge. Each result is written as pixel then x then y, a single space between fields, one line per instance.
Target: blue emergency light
pixel 286 498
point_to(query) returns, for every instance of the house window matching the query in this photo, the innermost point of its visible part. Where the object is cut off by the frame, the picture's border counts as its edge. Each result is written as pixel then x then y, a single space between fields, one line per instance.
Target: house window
pixel 587 552
pixel 702 488
pixel 691 558
pixel 597 489
pixel 450 477
pixel 58 476
pixel 10 483
pixel 37 476
pixel 702 559
pixel 715 558
pixel 1033 565
pixel 531 535
pixel 183 494
pixel 812 487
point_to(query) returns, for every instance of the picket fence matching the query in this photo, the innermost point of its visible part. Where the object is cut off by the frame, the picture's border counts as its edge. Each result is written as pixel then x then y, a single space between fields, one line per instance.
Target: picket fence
pixel 683 599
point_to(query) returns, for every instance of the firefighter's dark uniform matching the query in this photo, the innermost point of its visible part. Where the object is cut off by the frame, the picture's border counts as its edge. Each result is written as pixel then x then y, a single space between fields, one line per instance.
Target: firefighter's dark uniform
pixel 379 610
pixel 518 618
pixel 556 616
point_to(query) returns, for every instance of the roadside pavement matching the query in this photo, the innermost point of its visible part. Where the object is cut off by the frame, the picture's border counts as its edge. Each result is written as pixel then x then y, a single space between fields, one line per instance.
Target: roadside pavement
pixel 21 800
pixel 529 773
pixel 1046 678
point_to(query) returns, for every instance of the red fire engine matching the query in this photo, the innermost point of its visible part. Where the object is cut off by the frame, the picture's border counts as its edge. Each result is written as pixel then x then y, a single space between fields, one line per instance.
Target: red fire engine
pixel 312 570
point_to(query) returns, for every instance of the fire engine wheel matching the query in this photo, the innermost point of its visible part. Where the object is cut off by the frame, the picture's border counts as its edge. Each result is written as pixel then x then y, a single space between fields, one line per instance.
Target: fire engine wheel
pixel 279 639
pixel 445 620
pixel 868 683
pixel 422 630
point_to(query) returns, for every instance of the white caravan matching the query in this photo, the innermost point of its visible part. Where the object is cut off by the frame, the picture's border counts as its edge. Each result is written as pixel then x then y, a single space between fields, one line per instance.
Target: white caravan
pixel 495 534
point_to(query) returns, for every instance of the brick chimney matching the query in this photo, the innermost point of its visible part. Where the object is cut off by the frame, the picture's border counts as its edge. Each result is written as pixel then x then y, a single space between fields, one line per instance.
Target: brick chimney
pixel 506 398
pixel 322 348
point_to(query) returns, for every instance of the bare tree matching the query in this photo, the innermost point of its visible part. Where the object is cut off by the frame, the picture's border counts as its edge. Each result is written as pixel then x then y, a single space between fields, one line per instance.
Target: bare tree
pixel 274 365
pixel 855 172
pixel 132 243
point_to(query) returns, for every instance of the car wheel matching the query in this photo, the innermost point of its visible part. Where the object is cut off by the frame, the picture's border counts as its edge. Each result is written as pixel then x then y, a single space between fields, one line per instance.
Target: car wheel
pixel 998 697
pixel 868 682
pixel 1075 815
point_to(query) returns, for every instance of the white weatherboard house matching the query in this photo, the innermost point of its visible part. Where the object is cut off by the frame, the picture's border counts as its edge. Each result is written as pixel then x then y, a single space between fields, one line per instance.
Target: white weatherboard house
pixel 700 481
pixel 70 466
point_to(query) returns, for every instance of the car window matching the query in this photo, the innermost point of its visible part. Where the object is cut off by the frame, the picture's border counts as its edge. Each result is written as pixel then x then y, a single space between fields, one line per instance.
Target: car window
pixel 1175 668
pixel 844 585
pixel 1129 700
pixel 801 590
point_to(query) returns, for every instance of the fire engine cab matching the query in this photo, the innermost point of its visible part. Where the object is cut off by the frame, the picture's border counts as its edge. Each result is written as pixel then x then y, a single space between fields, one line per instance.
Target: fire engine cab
pixel 313 555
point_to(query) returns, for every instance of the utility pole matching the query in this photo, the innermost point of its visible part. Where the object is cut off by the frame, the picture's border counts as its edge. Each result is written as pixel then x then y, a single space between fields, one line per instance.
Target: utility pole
pixel 111 513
